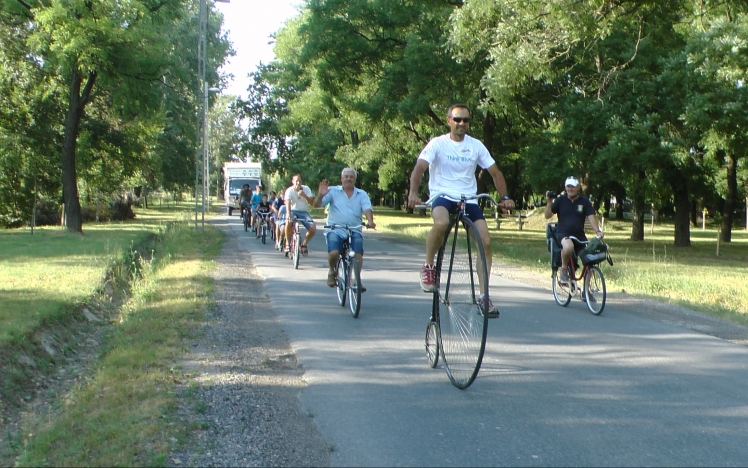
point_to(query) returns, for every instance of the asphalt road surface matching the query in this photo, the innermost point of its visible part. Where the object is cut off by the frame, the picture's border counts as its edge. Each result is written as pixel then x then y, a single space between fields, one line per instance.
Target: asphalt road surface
pixel 558 386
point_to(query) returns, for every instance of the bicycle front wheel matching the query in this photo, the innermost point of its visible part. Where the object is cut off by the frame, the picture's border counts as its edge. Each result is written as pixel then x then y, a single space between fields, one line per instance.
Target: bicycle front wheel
pixel 264 232
pixel 246 223
pixel 561 292
pixel 354 286
pixel 432 343
pixel 463 324
pixel 594 290
pixel 340 272
pixel 296 251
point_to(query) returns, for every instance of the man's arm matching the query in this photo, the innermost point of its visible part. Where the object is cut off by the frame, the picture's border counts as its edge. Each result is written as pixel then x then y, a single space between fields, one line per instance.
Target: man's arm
pixel 548 211
pixel 370 219
pixel 415 181
pixel 595 226
pixel 500 183
pixel 321 192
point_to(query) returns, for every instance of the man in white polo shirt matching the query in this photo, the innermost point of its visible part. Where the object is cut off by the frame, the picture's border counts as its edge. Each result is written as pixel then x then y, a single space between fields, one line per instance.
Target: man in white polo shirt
pixel 298 197
pixel 451 160
pixel 347 205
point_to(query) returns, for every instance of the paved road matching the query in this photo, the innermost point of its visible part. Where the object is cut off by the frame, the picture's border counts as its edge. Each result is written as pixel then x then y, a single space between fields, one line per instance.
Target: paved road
pixel 558 386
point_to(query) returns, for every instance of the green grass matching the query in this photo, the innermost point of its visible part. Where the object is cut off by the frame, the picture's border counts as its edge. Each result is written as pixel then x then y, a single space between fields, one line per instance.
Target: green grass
pixel 694 276
pixel 123 413
pixel 47 273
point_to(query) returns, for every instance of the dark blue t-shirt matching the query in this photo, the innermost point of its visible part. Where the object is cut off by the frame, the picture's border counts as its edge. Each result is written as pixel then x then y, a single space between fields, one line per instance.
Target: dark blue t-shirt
pixel 571 216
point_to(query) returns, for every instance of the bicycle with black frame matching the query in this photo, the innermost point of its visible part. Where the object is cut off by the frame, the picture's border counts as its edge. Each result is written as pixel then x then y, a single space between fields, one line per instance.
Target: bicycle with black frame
pixel 294 243
pixel 262 225
pixel 593 291
pixel 245 213
pixel 348 271
pixel 460 308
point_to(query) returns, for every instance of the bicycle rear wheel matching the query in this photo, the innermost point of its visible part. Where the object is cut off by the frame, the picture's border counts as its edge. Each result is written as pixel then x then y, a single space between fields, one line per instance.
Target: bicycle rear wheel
pixel 354 286
pixel 561 292
pixel 462 323
pixel 594 290
pixel 340 272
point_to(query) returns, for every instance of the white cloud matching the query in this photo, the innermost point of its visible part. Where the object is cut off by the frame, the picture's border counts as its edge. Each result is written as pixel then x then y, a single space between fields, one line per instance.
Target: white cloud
pixel 250 24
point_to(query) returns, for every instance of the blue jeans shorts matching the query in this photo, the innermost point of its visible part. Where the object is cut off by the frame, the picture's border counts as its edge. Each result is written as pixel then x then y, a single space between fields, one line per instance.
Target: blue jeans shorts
pixel 282 215
pixel 304 218
pixel 335 238
pixel 472 210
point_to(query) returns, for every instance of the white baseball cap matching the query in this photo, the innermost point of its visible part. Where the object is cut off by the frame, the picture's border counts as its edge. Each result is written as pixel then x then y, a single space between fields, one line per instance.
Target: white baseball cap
pixel 572 181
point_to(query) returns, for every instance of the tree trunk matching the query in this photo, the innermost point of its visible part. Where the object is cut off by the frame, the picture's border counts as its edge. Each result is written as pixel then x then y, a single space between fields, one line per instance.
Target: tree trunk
pixel 694 213
pixel 682 212
pixel 637 225
pixel 637 210
pixel 76 104
pixel 620 195
pixel 730 198
pixel 677 181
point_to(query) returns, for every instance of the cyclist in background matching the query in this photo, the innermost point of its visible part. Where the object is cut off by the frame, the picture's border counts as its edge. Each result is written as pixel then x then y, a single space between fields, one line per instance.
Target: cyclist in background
pixel 279 213
pixel 572 209
pixel 245 198
pixel 298 198
pixel 256 199
pixel 264 208
pixel 451 160
pixel 346 204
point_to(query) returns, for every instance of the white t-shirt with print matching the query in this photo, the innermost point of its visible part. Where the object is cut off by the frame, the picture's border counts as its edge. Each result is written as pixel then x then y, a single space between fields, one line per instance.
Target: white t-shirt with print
pixel 297 202
pixel 452 164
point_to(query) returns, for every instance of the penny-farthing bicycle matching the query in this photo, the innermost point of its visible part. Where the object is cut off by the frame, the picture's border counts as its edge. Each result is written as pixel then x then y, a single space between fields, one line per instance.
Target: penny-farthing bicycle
pixel 459 318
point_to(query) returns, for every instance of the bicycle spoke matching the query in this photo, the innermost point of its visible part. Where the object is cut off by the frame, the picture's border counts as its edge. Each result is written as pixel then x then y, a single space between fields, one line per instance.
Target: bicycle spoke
pixel 462 323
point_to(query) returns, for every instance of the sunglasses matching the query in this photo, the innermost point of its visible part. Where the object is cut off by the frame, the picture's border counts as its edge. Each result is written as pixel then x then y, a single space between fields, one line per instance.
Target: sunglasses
pixel 461 119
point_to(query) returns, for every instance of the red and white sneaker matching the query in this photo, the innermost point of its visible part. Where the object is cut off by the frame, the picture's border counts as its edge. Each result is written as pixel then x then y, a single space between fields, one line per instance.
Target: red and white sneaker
pixel 428 278
pixel 493 311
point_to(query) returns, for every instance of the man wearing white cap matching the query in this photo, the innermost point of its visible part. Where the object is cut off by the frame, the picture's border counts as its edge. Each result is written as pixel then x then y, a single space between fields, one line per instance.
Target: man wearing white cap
pixel 571 209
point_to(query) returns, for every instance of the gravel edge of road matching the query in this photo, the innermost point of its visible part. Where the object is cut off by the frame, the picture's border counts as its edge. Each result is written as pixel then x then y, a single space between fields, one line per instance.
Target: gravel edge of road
pixel 242 399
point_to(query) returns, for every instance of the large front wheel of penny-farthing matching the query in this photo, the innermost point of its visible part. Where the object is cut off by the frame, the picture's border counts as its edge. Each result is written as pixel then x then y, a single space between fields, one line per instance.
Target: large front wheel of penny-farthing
pixel 354 286
pixel 463 323
pixel 340 278
pixel 594 292
pixel 296 251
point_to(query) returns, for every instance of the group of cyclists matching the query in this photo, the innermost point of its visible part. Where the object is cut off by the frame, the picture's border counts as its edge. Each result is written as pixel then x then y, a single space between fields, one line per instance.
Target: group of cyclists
pixel 451 160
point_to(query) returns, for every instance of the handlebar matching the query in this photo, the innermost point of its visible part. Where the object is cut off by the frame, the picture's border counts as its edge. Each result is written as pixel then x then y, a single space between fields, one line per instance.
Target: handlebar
pixel 345 226
pixel 462 198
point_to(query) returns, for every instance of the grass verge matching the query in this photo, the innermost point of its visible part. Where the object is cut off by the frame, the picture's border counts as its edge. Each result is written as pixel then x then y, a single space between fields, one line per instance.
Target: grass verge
pixel 121 413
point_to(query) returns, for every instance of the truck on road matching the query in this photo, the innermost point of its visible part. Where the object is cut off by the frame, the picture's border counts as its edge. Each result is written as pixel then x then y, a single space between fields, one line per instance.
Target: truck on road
pixel 235 175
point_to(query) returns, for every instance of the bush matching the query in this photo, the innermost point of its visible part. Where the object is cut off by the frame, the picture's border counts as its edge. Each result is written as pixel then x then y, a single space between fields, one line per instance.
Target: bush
pixel 47 214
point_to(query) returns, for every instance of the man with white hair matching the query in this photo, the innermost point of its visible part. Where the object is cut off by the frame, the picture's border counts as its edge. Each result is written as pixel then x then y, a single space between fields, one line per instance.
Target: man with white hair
pixel 572 209
pixel 347 205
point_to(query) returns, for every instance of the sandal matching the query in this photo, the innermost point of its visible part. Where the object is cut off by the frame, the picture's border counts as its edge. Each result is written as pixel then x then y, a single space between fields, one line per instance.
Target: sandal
pixel 304 250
